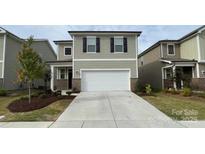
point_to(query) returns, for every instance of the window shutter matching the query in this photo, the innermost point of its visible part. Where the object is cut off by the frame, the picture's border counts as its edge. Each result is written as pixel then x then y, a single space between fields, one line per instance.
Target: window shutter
pixel 97 44
pixel 125 44
pixel 84 44
pixel 112 44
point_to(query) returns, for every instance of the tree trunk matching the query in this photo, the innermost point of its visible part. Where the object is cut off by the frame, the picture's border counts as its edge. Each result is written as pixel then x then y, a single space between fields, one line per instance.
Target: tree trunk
pixel 29 91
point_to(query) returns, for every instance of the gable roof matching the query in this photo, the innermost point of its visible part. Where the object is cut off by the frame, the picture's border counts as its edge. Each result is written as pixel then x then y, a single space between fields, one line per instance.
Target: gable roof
pixel 155 45
pixel 63 41
pixel 35 40
pixel 106 32
pixel 194 32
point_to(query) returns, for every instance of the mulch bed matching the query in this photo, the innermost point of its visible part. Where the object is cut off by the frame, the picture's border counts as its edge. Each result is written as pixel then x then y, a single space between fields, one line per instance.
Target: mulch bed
pixel 36 103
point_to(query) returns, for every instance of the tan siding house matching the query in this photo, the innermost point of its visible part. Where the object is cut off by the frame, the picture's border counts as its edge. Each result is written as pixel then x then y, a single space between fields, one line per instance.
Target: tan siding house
pixel 101 61
pixel 181 62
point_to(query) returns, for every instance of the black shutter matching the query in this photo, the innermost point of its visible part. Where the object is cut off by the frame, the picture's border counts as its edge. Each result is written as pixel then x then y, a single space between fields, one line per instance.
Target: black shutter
pixel 84 44
pixel 125 44
pixel 97 44
pixel 112 44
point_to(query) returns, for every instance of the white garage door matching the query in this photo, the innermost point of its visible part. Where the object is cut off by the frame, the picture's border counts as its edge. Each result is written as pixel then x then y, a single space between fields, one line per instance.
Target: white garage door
pixel 105 80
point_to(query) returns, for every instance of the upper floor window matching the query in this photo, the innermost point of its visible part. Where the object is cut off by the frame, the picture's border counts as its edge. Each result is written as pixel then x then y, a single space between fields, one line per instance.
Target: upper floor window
pixel 67 51
pixel 118 44
pixel 91 44
pixel 170 49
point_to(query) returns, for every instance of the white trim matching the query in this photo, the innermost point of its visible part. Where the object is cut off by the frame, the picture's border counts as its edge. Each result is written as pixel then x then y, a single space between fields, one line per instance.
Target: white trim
pixel 161 48
pixel 162 71
pixel 61 65
pixel 128 59
pixel 171 44
pixel 64 50
pixel 193 72
pixel 106 69
pixel 198 47
pixel 166 61
pixel 110 69
pixel 73 57
pixel 52 78
pixel 185 64
pixel 4 53
pixel 174 73
pixel 136 45
pixel 58 50
pixel 197 70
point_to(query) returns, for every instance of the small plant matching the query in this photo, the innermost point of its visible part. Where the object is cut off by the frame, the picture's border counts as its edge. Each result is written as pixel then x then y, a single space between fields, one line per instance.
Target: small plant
pixel 174 91
pixel 3 92
pixel 23 98
pixel 42 96
pixel 186 92
pixel 148 89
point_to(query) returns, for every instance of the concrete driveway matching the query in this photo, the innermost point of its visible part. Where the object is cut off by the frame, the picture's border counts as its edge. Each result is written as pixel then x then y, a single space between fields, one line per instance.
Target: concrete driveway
pixel 111 110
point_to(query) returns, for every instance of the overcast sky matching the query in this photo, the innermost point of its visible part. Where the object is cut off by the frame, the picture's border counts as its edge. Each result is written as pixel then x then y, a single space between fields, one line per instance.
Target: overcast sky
pixel 150 34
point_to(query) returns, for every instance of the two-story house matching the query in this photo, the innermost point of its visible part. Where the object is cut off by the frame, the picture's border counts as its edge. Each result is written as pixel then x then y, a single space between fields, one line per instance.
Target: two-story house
pixel 96 61
pixel 10 45
pixel 175 63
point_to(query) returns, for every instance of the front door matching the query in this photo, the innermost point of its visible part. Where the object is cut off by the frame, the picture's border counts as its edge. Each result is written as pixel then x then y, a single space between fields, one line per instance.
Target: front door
pixel 70 76
pixel 179 78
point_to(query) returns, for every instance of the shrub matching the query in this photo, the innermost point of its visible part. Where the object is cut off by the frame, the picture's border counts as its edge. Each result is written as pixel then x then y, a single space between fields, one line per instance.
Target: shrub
pixel 186 92
pixel 174 91
pixel 42 96
pixel 148 89
pixel 3 92
pixel 23 98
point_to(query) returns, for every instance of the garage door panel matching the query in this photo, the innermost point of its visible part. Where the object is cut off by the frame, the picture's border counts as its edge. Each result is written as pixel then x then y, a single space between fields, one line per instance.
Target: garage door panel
pixel 105 80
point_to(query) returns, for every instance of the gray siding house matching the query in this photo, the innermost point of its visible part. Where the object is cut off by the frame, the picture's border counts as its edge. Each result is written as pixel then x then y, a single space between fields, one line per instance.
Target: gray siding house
pixel 96 61
pixel 175 63
pixel 10 45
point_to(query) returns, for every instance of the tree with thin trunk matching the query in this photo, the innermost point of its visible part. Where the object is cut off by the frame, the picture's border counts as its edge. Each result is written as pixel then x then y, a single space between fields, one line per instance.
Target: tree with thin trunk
pixel 31 65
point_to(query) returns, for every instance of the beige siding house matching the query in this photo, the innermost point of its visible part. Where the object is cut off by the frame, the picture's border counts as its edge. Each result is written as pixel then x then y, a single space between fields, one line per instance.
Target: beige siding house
pixel 96 61
pixel 10 45
pixel 179 63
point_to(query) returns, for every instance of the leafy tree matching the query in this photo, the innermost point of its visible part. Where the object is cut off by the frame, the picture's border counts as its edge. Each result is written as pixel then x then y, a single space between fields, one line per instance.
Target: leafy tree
pixel 31 65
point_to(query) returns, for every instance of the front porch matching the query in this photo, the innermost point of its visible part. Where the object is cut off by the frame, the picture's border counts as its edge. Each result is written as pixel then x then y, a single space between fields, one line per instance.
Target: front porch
pixel 178 74
pixel 61 76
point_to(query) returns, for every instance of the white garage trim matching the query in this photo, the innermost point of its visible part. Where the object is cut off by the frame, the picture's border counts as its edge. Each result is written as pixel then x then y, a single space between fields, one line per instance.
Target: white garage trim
pixel 109 70
pixel 117 59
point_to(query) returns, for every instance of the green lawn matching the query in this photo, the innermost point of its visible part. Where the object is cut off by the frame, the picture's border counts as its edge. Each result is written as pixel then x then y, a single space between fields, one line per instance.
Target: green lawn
pixel 179 107
pixel 49 113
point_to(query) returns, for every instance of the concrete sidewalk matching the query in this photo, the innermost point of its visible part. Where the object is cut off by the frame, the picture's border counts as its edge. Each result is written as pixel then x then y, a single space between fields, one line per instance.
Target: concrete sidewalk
pixel 99 124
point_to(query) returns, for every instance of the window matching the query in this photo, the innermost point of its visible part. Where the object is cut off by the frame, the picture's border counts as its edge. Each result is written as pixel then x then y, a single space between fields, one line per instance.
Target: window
pixel 170 50
pixel 118 44
pixel 168 74
pixel 91 44
pixel 67 51
pixel 62 73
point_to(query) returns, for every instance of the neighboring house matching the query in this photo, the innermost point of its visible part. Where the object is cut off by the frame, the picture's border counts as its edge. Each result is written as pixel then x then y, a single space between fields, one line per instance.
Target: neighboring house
pixel 96 61
pixel 10 45
pixel 175 63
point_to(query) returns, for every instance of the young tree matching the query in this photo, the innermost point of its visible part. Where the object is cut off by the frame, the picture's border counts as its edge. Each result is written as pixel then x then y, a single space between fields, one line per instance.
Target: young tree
pixel 31 65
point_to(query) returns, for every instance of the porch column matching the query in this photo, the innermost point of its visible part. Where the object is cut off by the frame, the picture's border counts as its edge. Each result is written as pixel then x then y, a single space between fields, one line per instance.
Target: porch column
pixel 174 75
pixel 52 78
